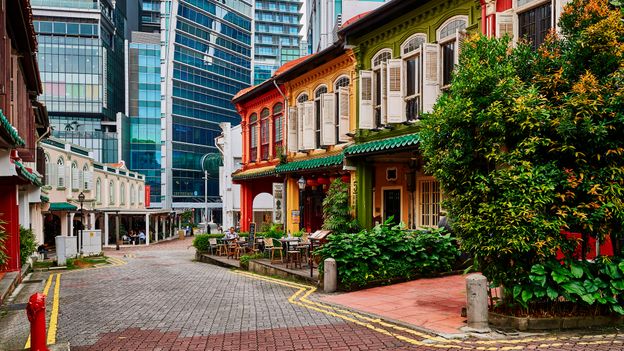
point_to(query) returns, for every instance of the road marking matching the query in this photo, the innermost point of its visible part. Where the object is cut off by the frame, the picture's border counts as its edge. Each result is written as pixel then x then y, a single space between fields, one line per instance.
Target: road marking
pixel 46 289
pixel 303 301
pixel 55 311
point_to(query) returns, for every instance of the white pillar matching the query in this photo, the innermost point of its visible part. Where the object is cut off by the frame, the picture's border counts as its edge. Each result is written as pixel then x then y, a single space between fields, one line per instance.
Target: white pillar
pixel 92 220
pixel 164 229
pixel 147 227
pixel 156 224
pixel 71 224
pixel 106 226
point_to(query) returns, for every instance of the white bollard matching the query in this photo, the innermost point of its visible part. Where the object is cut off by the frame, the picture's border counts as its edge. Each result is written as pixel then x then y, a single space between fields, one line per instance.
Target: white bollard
pixel 477 302
pixel 330 276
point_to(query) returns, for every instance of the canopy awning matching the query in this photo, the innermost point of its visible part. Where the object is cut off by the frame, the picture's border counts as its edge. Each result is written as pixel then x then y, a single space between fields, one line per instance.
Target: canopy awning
pixel 254 173
pixel 10 132
pixel 382 145
pixel 310 164
pixel 62 206
pixel 28 174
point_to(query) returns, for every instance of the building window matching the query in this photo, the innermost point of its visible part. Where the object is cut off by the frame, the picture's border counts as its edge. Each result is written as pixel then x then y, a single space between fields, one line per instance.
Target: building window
pixel 341 90
pixel 60 165
pixel 278 128
pixel 318 113
pixel 98 191
pixel 429 203
pixel 48 167
pixel 264 134
pixel 302 98
pixel 253 131
pixel 132 195
pixel 122 194
pixel 85 177
pixel 411 52
pixel 140 194
pixel 380 71
pixel 535 24
pixel 111 193
pixel 449 47
pixel 75 176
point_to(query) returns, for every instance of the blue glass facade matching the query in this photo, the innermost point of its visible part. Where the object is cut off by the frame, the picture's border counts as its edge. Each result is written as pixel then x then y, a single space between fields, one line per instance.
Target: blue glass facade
pixel 208 55
pixel 277 39
pixel 144 108
pixel 81 59
pixel 150 16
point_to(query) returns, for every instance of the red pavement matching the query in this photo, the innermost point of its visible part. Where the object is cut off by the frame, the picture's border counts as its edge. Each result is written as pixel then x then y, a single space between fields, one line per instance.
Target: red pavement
pixel 434 304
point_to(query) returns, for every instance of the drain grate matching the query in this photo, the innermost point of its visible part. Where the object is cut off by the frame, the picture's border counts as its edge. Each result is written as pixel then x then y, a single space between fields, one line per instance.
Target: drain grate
pixel 32 281
pixel 15 306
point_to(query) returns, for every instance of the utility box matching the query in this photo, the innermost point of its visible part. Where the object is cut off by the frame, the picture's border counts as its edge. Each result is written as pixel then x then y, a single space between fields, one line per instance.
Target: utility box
pixel 91 242
pixel 66 247
pixel 181 233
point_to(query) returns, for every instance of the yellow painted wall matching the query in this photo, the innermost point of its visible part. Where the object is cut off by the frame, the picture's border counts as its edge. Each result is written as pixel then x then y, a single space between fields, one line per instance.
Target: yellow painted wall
pixel 292 203
pixel 381 183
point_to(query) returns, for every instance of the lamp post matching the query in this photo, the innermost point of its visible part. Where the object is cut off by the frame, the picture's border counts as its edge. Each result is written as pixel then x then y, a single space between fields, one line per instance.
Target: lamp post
pixel 117 230
pixel 203 164
pixel 301 183
pixel 81 198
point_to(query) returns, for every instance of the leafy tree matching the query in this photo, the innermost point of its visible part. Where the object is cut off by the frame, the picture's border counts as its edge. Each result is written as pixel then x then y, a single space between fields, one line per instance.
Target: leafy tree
pixel 336 210
pixel 527 143
pixel 28 244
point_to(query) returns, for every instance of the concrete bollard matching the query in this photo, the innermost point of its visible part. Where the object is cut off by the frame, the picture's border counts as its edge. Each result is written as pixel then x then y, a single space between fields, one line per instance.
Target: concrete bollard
pixel 477 302
pixel 330 276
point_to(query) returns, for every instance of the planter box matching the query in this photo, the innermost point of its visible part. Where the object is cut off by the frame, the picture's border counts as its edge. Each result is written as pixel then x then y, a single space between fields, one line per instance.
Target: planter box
pixel 555 323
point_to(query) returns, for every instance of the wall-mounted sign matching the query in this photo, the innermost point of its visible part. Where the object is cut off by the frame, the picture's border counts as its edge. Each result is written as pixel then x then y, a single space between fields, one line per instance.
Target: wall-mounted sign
pixel 278 202
pixel 295 216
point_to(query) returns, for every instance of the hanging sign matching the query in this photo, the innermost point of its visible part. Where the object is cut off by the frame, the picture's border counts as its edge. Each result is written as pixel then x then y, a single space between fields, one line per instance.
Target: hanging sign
pixel 278 202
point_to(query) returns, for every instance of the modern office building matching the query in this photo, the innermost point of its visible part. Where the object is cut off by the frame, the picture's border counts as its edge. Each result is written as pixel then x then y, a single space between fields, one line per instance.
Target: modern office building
pixel 277 39
pixel 142 131
pixel 81 58
pixel 206 59
pixel 324 17
pixel 149 16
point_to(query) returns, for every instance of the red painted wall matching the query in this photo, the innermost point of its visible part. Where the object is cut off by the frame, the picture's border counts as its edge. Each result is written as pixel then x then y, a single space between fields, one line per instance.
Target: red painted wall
pixel 9 214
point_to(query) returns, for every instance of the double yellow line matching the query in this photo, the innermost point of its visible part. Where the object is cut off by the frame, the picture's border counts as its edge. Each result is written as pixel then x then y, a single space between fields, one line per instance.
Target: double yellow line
pixel 300 298
pixel 53 326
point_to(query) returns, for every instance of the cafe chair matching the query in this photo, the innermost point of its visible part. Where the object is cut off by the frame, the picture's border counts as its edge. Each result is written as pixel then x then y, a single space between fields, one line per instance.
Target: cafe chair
pixel 269 245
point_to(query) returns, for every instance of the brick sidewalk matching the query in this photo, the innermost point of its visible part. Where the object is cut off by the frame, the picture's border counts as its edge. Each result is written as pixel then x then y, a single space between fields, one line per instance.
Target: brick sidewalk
pixel 433 304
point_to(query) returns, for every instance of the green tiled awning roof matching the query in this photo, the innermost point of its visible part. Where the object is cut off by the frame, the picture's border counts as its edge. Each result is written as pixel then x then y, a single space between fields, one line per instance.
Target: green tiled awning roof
pixel 62 206
pixel 31 177
pixel 311 163
pixel 383 144
pixel 10 131
pixel 255 173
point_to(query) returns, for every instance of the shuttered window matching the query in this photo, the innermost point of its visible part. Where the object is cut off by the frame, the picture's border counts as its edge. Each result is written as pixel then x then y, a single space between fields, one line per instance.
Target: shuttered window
pixel 318 112
pixel 535 24
pixel 253 138
pixel 429 206
pixel 264 134
pixel 60 171
pixel 278 128
pixel 341 89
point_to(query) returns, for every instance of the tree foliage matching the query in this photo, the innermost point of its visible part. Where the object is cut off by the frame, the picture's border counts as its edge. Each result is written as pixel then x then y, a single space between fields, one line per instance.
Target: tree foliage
pixel 527 143
pixel 336 209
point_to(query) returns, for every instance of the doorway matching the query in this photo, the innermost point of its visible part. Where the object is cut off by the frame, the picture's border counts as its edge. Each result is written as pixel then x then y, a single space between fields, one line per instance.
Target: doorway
pixel 392 205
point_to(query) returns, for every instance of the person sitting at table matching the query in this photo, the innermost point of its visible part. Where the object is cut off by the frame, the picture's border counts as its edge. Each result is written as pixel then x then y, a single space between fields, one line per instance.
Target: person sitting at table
pixel 141 237
pixel 231 234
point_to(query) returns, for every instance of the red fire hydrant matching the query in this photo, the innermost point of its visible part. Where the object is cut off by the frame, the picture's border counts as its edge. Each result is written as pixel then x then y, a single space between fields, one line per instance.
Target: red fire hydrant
pixel 37 317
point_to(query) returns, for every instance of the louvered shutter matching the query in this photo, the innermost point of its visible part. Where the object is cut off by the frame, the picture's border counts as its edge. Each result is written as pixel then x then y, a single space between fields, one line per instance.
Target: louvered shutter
pixel 430 85
pixel 292 129
pixel 52 174
pixel 300 118
pixel 384 93
pixel 505 24
pixel 75 178
pixel 460 36
pixel 309 130
pixel 88 176
pixel 328 119
pixel 343 114
pixel 366 100
pixel 396 107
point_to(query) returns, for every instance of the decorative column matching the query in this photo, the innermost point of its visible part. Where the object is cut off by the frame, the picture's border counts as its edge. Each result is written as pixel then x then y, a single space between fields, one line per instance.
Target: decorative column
pixel 147 227
pixel 156 224
pixel 106 229
pixel 71 224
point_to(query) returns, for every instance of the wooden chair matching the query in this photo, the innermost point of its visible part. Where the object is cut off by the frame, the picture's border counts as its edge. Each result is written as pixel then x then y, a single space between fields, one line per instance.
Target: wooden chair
pixel 233 250
pixel 304 247
pixel 221 249
pixel 214 246
pixel 269 245
pixel 256 245
pixel 293 257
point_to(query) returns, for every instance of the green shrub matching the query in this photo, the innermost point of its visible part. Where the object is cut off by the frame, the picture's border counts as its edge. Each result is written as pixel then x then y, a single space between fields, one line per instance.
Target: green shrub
pixel 336 209
pixel 3 237
pixel 28 244
pixel 201 242
pixel 388 252
pixel 244 259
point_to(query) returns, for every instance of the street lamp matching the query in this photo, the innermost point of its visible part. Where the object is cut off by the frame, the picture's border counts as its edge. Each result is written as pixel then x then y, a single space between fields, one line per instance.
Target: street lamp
pixel 117 230
pixel 203 164
pixel 302 183
pixel 81 198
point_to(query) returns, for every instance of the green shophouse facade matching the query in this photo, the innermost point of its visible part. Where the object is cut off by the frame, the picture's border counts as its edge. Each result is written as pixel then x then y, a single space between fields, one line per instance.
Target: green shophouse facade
pixel 406 51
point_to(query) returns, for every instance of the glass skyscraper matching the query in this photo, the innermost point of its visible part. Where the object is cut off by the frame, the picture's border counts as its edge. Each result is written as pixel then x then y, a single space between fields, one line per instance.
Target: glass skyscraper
pixel 143 139
pixel 150 16
pixel 81 55
pixel 277 38
pixel 206 59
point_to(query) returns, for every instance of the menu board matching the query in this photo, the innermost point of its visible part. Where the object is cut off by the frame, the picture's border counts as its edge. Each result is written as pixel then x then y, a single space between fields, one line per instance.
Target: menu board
pixel 252 232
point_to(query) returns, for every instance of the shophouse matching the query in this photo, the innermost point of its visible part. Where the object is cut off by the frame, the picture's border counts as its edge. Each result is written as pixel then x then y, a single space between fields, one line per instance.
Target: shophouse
pixel 406 52
pixel 23 121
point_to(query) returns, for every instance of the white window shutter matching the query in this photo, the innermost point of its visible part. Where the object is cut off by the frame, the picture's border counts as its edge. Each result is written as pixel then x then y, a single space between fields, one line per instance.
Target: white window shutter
pixel 460 36
pixel 505 24
pixel 384 93
pixel 88 176
pixel 53 176
pixel 328 119
pixel 366 100
pixel 309 130
pixel 343 114
pixel 396 107
pixel 67 176
pixel 292 129
pixel 75 178
pixel 431 85
pixel 300 122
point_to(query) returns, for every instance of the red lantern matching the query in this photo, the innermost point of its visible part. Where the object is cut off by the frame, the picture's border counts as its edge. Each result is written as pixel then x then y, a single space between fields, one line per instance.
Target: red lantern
pixel 322 180
pixel 311 182
pixel 346 178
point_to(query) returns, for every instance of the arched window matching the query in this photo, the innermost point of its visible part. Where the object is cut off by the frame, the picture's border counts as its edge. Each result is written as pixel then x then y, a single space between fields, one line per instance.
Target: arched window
pixel 85 177
pixel 98 191
pixel 341 82
pixel 278 128
pixel 253 134
pixel 48 169
pixel 303 97
pixel 111 193
pixel 380 73
pixel 132 195
pixel 317 112
pixel 413 43
pixel 412 61
pixel 141 196
pixel 341 90
pixel 122 193
pixel 264 134
pixel 75 176
pixel 60 165
pixel 448 34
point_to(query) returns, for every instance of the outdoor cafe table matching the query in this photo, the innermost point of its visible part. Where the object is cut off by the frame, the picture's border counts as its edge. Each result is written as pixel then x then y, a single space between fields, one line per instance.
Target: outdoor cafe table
pixel 287 243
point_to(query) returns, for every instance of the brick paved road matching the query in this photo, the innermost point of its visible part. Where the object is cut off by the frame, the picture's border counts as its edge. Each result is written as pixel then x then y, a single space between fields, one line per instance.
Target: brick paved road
pixel 161 300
